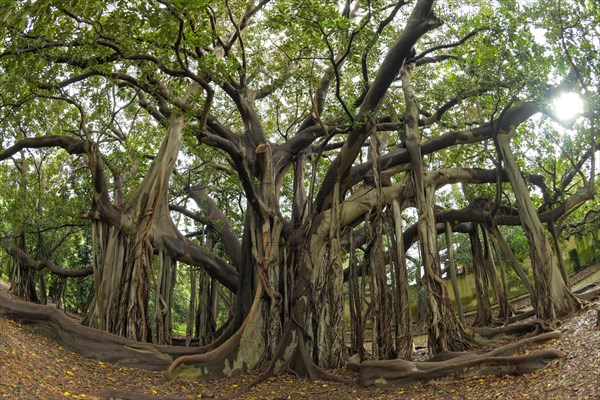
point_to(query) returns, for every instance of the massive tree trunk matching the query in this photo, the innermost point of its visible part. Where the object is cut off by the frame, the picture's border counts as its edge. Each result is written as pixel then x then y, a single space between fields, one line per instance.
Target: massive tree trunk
pixel 257 323
pixel 554 299
pixel 446 333
pixel 124 253
pixel 295 319
pixel 251 342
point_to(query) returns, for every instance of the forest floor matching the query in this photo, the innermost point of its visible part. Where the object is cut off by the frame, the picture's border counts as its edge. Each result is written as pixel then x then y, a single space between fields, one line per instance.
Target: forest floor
pixel 34 367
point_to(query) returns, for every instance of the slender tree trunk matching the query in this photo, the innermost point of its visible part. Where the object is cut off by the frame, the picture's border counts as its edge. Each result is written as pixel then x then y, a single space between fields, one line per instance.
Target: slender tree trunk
pixel 558 251
pixel 191 317
pixel 484 308
pixel 404 339
pixel 205 320
pixel 355 301
pixel 421 292
pixel 554 299
pixel 508 255
pixel 43 297
pixel 22 282
pixel 495 246
pixel 452 273
pixel 163 300
pixel 206 312
pixel 490 268
pixel 446 333
pixel 382 343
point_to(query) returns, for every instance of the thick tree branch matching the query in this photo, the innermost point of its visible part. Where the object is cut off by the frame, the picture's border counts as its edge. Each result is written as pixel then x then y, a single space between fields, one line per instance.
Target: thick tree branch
pixel 421 21
pixel 450 45
pixel 515 116
pixel 29 262
pixel 218 222
pixel 76 146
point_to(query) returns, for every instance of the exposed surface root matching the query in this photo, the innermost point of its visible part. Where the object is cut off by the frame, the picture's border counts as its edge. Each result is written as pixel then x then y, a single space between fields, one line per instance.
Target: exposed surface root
pixel 89 342
pixel 213 361
pixel 299 364
pixel 521 316
pixel 590 295
pixel 460 364
pixel 486 335
pixel 302 362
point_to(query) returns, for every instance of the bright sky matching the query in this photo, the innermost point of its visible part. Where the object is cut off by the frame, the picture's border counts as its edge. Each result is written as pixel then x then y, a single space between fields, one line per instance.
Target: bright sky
pixel 568 106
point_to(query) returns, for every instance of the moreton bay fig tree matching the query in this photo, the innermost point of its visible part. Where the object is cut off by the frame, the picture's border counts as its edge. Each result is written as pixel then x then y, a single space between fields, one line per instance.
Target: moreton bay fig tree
pixel 284 156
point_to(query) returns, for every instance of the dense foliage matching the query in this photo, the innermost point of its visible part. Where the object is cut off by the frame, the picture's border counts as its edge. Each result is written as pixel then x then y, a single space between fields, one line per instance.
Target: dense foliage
pixel 215 163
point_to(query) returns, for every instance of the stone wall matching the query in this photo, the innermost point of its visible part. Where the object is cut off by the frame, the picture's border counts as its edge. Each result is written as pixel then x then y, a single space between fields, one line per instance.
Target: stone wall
pixel 579 252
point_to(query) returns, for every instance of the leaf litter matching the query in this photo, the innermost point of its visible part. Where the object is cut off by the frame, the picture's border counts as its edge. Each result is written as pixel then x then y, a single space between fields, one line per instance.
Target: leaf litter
pixel 35 367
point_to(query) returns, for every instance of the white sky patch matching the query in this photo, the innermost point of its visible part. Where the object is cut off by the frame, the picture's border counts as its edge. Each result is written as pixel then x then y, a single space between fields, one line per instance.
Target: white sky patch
pixel 539 35
pixel 568 106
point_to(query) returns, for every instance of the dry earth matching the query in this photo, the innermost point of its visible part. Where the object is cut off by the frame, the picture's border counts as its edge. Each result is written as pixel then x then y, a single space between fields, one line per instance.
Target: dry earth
pixel 34 367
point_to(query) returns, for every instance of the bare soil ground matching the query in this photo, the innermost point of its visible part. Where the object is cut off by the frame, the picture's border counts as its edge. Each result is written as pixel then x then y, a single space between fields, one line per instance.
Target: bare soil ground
pixel 34 367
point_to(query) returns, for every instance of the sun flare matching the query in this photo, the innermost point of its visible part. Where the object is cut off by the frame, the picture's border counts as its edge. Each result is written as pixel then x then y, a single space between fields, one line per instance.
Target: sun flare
pixel 568 106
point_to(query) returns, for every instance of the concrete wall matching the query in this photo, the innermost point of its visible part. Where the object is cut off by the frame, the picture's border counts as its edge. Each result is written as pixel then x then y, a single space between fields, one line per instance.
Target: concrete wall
pixel 579 252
